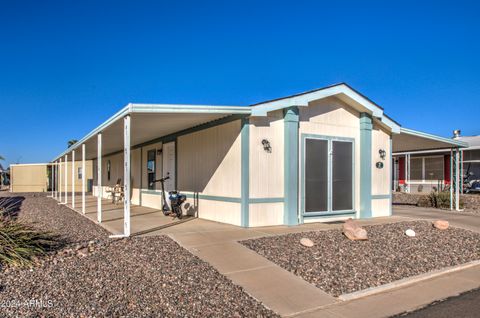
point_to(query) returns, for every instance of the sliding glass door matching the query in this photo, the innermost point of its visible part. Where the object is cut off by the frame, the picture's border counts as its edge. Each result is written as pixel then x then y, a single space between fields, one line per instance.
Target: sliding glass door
pixel 328 175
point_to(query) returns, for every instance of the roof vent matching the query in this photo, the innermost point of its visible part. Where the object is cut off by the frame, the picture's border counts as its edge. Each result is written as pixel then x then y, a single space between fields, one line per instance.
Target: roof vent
pixel 456 133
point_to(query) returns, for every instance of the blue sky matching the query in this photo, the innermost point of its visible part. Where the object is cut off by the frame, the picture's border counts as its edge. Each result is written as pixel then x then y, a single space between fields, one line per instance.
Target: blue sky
pixel 66 66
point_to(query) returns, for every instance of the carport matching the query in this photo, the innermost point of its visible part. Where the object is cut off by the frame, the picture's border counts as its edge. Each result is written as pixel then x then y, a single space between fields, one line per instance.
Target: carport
pixel 410 142
pixel 130 128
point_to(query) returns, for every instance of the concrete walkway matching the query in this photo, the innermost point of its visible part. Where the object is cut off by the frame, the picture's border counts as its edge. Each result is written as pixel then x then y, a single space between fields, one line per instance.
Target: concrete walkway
pixel 278 289
pixel 469 221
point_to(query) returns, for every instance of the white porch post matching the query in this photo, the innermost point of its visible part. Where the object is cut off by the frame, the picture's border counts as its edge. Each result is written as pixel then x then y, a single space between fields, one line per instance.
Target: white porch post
pixel 83 178
pixel 126 175
pixel 66 179
pixel 73 179
pixel 60 180
pixel 451 179
pixel 407 173
pixel 457 180
pixel 54 192
pixel 99 178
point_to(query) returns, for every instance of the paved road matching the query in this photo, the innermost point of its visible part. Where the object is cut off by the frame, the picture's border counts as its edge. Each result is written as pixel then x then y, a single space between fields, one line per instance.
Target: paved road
pixel 466 305
pixel 468 221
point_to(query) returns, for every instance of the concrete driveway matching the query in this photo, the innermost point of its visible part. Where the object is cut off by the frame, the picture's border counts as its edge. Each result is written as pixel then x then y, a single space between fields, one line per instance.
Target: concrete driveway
pixel 469 221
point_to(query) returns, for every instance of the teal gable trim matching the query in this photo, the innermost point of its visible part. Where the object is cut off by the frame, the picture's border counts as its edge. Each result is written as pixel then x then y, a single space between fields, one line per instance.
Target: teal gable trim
pixel 245 172
pixel 365 165
pixel 290 171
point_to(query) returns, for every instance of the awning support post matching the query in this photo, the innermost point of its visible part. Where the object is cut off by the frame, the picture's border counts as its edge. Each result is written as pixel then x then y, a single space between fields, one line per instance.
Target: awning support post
pixel 407 173
pixel 73 179
pixel 452 179
pixel 99 178
pixel 66 179
pixel 458 185
pixel 54 192
pixel 60 180
pixel 83 178
pixel 126 175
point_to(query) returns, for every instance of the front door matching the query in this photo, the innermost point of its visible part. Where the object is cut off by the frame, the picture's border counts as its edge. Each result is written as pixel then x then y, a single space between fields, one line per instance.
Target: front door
pixel 169 165
pixel 327 176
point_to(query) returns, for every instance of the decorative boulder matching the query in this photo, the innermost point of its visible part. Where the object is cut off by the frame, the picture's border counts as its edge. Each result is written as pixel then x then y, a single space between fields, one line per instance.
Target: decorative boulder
pixel 441 224
pixel 410 233
pixel 306 242
pixel 353 231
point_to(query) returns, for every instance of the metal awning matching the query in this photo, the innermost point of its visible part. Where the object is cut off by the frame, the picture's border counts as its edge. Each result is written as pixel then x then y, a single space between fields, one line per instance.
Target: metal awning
pixel 409 140
pixel 148 122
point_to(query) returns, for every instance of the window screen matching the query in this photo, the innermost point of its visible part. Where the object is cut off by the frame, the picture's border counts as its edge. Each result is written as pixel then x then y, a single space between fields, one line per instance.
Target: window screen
pixel 316 175
pixel 342 176
pixel 434 168
pixel 416 167
pixel 151 168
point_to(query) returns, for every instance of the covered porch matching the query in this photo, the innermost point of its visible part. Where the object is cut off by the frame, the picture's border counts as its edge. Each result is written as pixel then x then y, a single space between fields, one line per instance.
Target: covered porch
pixel 124 135
pixel 420 159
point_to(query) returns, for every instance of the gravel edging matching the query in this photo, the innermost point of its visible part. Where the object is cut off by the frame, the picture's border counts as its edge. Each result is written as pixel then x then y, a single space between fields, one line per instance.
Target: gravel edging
pixel 340 266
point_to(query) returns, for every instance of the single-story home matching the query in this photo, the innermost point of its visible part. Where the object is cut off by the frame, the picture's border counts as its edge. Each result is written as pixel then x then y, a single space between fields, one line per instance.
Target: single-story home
pixel 429 169
pixel 38 177
pixel 316 156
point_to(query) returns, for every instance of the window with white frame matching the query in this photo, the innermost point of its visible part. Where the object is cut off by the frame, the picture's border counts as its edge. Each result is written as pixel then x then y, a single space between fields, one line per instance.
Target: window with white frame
pixel 433 168
pixel 424 169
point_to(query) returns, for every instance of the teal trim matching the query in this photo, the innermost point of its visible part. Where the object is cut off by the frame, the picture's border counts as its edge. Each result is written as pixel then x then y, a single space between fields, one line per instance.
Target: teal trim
pixel 232 199
pixel 265 200
pixel 328 214
pixel 330 210
pixel 290 171
pixel 213 197
pixel 174 136
pixel 381 196
pixel 245 172
pixel 365 165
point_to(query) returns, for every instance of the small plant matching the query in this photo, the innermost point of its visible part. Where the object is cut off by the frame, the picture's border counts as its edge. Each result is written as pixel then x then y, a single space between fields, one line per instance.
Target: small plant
pixel 20 243
pixel 441 200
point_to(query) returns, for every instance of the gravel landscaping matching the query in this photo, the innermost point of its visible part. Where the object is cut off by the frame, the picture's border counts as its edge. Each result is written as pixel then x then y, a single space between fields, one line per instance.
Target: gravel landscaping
pixel 470 202
pixel 46 214
pixel 339 266
pixel 93 276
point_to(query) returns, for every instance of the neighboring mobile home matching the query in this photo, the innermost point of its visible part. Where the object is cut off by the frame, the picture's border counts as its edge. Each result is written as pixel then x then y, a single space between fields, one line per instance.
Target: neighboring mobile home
pixel 431 169
pixel 321 155
pixel 37 177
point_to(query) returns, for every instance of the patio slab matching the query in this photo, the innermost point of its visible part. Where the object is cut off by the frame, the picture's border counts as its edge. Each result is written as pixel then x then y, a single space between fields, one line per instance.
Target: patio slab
pixel 143 219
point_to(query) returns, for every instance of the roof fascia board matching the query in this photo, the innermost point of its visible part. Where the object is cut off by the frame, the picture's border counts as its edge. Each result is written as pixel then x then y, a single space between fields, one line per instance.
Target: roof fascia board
pixel 303 100
pixel 195 109
pixel 391 124
pixel 452 142
pixel 120 114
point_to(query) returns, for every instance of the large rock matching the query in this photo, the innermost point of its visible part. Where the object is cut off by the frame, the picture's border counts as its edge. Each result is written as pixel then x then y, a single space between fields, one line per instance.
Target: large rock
pixel 441 224
pixel 353 231
pixel 306 242
pixel 410 233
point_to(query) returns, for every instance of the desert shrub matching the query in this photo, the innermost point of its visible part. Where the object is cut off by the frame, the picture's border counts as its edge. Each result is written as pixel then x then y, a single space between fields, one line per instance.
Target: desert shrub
pixel 425 201
pixel 441 200
pixel 20 243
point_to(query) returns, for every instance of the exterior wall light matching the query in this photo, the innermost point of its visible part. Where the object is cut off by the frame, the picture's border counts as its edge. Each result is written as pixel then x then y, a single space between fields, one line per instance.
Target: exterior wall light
pixel 382 153
pixel 266 145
